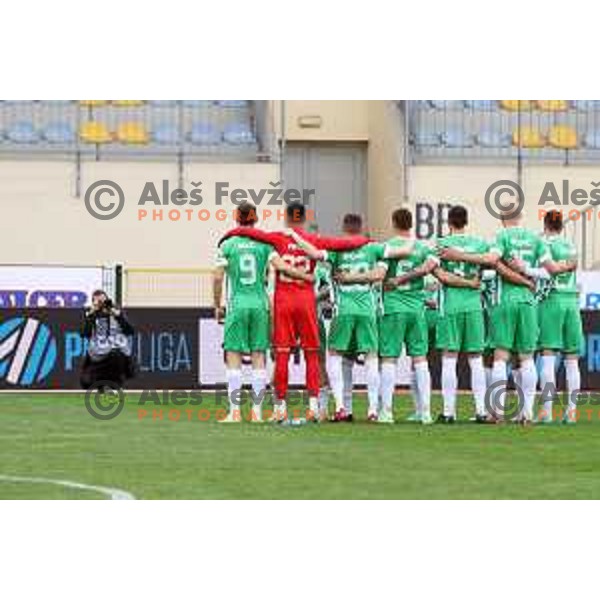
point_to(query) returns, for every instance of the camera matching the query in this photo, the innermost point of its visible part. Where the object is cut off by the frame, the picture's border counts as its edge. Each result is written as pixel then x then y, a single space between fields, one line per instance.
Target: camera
pixel 107 304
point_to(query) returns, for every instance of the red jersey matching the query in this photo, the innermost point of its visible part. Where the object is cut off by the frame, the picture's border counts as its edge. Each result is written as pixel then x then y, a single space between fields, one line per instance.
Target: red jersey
pixel 295 257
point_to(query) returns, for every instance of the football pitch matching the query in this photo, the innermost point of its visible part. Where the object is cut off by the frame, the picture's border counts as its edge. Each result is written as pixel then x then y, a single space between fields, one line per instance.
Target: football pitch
pixel 52 438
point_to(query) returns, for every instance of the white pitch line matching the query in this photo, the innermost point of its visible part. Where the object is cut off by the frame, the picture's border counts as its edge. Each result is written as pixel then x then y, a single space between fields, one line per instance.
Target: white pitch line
pixel 113 493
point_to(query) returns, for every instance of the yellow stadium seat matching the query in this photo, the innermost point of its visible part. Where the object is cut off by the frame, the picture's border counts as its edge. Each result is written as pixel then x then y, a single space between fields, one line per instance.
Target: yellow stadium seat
pixel 132 133
pixel 126 103
pixel 528 137
pixel 95 133
pixel 552 105
pixel 563 136
pixel 515 105
pixel 93 102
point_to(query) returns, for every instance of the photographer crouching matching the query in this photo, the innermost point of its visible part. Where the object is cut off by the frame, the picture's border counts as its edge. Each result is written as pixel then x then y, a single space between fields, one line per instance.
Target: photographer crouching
pixel 109 353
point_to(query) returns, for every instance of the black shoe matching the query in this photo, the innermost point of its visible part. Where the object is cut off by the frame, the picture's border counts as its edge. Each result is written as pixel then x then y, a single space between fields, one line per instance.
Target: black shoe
pixel 349 418
pixel 445 420
pixel 482 419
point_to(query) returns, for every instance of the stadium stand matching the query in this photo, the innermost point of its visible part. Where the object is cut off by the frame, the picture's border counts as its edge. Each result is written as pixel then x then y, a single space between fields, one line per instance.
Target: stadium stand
pixel 552 130
pixel 105 129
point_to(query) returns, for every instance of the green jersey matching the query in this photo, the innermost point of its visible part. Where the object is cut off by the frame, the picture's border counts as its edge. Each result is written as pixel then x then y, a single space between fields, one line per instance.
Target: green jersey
pixel 409 296
pixel 356 298
pixel 525 245
pixel 564 285
pixel 460 299
pixel 246 262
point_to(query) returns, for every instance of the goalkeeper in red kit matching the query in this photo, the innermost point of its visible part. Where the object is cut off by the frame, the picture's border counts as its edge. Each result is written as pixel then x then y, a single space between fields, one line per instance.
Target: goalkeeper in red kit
pixel 294 306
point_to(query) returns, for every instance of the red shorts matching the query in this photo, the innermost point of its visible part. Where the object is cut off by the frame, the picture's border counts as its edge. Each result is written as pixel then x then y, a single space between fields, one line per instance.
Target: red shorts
pixel 295 318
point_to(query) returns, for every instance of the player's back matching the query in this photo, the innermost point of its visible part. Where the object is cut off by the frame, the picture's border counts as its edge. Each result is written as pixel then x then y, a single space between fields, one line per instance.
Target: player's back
pixel 460 299
pixel 526 246
pixel 564 285
pixel 357 298
pixel 246 263
pixel 295 257
pixel 409 296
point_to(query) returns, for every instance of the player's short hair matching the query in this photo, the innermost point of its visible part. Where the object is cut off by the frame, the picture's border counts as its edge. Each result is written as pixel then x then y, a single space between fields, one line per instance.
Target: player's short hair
pixel 245 214
pixel 352 223
pixel 553 220
pixel 97 293
pixel 458 217
pixel 295 212
pixel 402 219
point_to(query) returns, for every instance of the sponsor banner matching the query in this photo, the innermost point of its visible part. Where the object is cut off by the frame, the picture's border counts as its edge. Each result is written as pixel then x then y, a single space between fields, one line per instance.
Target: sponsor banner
pixel 50 287
pixel 176 348
pixel 43 349
pixel 589 286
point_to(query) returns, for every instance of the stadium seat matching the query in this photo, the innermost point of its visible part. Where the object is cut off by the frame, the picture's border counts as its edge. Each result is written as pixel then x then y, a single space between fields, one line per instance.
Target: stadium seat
pixel 592 139
pixel 204 134
pixel 94 132
pixel 166 134
pixel 59 133
pixel 233 103
pixel 515 105
pixel 132 133
pixel 23 132
pixel 92 103
pixel 528 137
pixel 424 139
pixel 486 105
pixel 562 136
pixel 458 138
pixel 552 105
pixel 128 103
pixel 238 134
pixel 494 139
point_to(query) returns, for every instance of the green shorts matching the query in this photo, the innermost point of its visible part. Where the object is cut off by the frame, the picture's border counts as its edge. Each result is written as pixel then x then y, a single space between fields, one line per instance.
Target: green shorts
pixel 515 327
pixel 247 330
pixel 399 329
pixel 461 332
pixel 353 333
pixel 432 317
pixel 560 327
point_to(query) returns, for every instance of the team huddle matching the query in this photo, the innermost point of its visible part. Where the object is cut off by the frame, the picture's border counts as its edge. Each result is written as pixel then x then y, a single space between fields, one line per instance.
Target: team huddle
pixel 496 302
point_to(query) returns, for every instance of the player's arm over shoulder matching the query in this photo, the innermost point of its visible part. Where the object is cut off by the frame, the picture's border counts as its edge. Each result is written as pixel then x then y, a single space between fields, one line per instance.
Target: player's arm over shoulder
pixel 453 280
pixel 294 273
pixel 555 267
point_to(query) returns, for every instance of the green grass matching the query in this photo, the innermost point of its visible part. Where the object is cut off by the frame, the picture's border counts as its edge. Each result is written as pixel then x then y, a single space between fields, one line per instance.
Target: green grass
pixel 53 436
